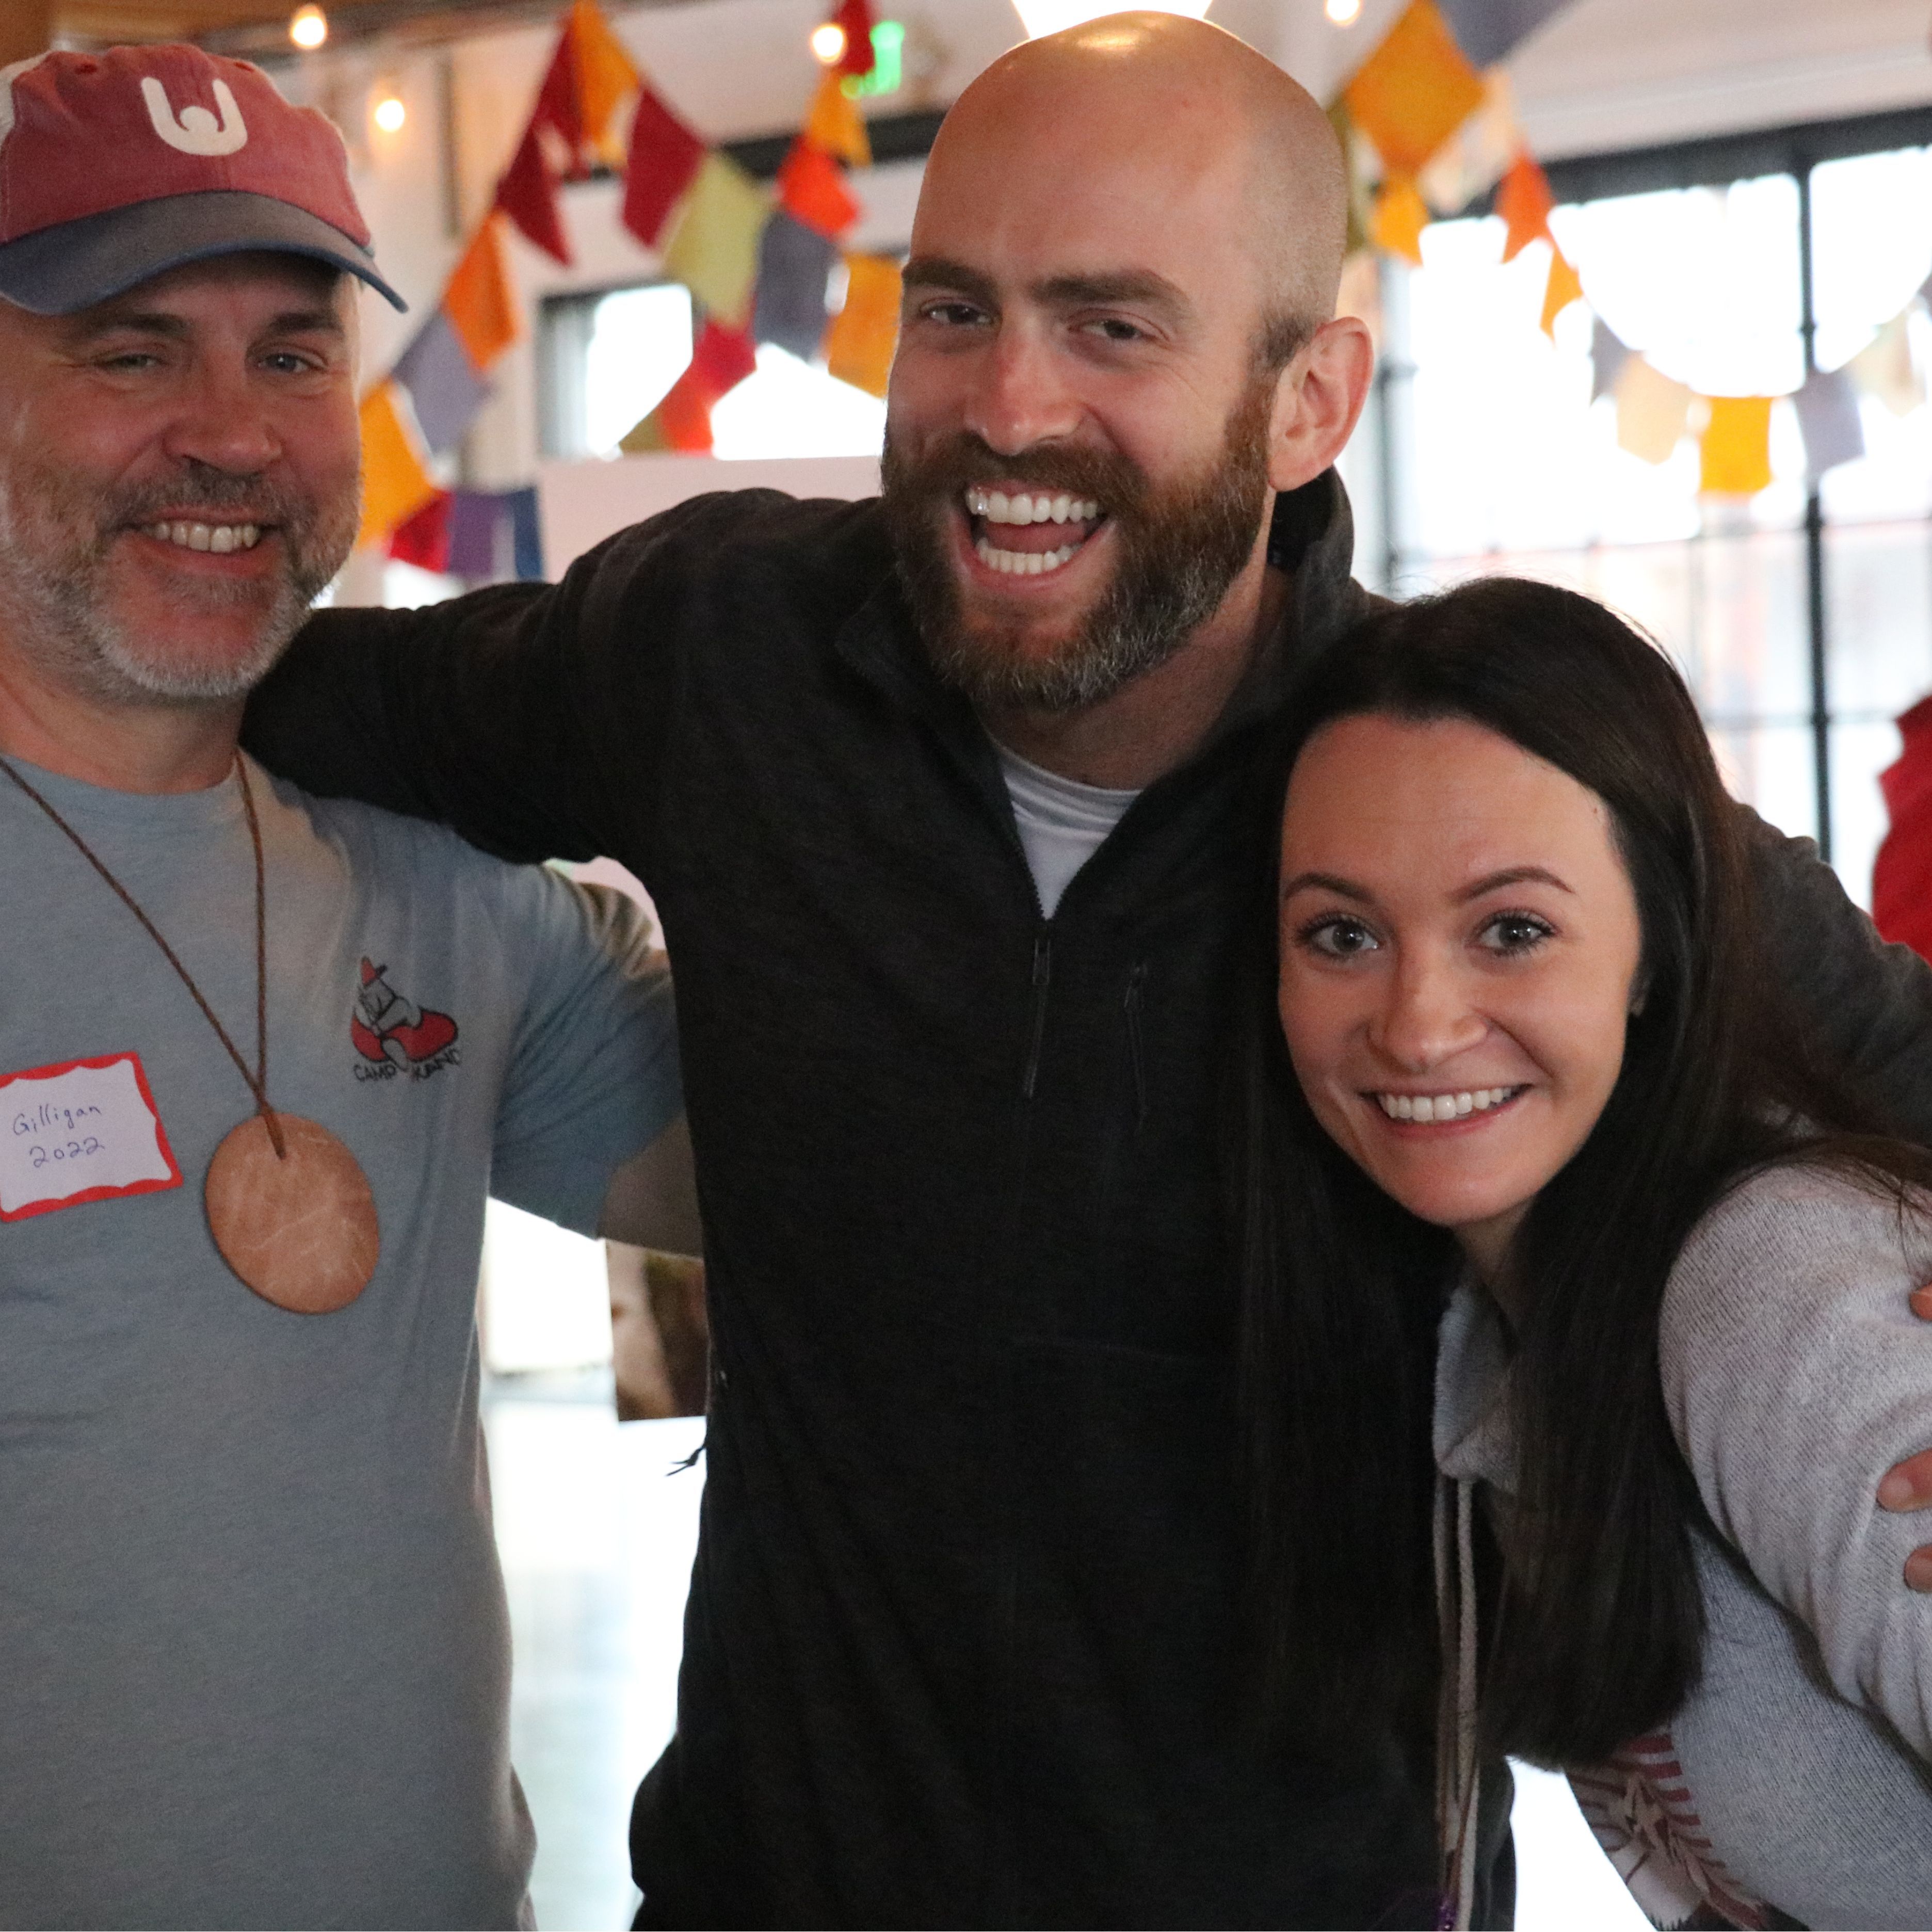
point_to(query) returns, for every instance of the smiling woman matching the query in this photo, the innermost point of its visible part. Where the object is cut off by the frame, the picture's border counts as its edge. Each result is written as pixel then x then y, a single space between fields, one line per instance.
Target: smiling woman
pixel 1513 1052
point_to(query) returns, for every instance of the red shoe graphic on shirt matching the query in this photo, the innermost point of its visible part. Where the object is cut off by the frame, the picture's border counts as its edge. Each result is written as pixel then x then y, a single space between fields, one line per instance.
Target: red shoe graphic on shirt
pixel 387 1028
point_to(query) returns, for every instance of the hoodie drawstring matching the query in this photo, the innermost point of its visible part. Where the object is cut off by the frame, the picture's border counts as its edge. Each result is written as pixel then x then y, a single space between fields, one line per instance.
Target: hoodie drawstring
pixel 1459 1774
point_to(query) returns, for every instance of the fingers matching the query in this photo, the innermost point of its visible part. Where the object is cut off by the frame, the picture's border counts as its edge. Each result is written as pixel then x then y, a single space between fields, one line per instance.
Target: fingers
pixel 1922 1303
pixel 1918 1569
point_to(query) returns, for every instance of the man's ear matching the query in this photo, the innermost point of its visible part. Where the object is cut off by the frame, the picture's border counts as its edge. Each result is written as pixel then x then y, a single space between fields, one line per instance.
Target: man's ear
pixel 1318 399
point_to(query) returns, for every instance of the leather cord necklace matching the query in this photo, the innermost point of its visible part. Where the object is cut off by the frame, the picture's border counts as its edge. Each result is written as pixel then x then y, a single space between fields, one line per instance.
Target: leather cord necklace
pixel 287 1204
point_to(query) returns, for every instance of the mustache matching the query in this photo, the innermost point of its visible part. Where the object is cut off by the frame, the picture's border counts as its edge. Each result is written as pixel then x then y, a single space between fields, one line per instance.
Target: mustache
pixel 962 460
pixel 245 499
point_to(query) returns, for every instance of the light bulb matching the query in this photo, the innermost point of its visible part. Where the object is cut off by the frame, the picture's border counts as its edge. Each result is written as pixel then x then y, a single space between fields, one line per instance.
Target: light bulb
pixel 308 28
pixel 1343 13
pixel 391 114
pixel 828 43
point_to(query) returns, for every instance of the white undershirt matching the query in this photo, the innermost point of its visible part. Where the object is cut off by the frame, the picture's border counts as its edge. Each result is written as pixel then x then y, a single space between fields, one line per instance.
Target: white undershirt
pixel 1061 823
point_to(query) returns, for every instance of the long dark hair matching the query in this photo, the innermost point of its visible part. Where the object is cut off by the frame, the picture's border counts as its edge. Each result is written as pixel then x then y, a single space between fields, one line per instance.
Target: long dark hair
pixel 1601 1616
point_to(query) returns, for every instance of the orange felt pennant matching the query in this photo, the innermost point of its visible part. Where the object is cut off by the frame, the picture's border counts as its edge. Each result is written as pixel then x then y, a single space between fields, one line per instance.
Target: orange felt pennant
pixel 1564 287
pixel 1415 90
pixel 836 123
pixel 606 78
pixel 1524 201
pixel 812 189
pixel 479 301
pixel 395 485
pixel 860 344
pixel 1398 218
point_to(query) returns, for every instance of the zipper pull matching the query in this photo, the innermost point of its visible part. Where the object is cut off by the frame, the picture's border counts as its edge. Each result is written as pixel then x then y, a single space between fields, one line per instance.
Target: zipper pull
pixel 1042 978
pixel 1135 1051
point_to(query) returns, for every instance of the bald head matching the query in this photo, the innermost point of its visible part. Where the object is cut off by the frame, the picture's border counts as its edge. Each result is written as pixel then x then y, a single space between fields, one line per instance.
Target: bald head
pixel 1132 95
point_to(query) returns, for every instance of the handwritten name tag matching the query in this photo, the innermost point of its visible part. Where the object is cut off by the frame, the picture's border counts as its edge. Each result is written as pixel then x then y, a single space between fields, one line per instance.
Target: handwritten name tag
pixel 83 1130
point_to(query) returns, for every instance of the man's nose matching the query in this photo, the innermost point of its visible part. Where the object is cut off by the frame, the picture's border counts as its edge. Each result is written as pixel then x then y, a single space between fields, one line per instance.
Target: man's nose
pixel 223 420
pixel 1428 1016
pixel 1021 397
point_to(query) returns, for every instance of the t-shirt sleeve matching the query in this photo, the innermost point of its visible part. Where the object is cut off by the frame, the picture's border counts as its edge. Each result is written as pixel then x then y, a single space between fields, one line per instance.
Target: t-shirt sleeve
pixel 593 1076
pixel 1796 1375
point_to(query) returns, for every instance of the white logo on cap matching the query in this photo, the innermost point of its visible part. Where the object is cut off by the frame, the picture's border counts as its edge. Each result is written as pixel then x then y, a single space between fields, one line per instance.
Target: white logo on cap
pixel 197 132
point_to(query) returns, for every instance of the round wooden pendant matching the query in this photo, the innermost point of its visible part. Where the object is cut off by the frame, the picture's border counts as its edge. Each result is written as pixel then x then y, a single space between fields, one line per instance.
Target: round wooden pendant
pixel 299 1227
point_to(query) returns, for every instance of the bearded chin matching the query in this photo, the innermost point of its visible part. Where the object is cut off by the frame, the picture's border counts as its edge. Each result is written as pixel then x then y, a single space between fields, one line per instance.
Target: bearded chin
pixel 1179 549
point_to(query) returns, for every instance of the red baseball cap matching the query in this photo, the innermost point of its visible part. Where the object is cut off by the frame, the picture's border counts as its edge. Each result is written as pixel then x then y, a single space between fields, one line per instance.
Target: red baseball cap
pixel 116 166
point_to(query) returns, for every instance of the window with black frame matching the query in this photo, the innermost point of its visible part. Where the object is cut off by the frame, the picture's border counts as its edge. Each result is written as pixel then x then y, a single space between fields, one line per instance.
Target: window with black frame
pixel 1801 613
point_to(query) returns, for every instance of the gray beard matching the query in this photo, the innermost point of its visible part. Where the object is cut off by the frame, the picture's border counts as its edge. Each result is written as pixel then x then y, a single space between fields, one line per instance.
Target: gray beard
pixel 59 596
pixel 1179 552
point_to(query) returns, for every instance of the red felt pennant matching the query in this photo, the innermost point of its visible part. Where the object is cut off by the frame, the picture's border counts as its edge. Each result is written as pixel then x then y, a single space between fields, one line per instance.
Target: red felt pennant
pixel 665 155
pixel 424 538
pixel 812 189
pixel 527 194
pixel 855 17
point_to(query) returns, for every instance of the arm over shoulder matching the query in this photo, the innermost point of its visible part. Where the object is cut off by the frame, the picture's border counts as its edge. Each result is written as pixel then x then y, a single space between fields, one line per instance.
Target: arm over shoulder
pixel 535 719
pixel 1795 1375
pixel 594 1074
pixel 1867 1004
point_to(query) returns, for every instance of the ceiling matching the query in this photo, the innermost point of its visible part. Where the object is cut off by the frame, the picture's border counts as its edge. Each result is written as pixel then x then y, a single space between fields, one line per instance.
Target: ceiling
pixel 259 28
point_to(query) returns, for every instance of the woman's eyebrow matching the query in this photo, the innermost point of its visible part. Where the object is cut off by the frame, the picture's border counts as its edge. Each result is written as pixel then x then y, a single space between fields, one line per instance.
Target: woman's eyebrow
pixel 1327 882
pixel 1512 875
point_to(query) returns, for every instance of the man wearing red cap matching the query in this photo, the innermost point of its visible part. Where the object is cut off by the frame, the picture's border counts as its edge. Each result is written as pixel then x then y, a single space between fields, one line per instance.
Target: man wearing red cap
pixel 260 1059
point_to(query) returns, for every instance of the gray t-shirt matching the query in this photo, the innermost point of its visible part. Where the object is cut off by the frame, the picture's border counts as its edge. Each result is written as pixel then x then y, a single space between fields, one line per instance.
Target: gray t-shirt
pixel 254 1659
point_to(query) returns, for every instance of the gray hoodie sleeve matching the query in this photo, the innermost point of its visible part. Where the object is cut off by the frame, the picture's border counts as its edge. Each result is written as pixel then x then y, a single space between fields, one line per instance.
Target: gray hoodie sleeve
pixel 1870 1003
pixel 1795 1376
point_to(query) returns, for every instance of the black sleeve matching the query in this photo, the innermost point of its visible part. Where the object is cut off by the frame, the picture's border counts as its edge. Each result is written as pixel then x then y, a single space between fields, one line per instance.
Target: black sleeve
pixel 1868 1003
pixel 530 718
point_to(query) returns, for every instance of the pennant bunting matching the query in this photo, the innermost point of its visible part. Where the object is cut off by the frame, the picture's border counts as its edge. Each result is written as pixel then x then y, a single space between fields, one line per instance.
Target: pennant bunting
pixel 424 538
pixel 811 187
pixel 1415 90
pixel 1828 419
pixel 1524 201
pixel 480 302
pixel 794 268
pixel 714 248
pixel 1486 30
pixel 1607 357
pixel 474 516
pixel 1399 216
pixel 836 125
pixel 1652 411
pixel 665 158
pixel 858 59
pixel 605 75
pixel 395 485
pixel 1884 367
pixel 722 359
pixel 1736 446
pixel 445 389
pixel 860 344
pixel 1476 157
pixel 527 194
pixel 1901 907
pixel 1564 287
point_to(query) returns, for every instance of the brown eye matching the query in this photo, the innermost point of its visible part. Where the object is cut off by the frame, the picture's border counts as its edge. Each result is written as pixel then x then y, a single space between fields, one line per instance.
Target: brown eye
pixel 1339 938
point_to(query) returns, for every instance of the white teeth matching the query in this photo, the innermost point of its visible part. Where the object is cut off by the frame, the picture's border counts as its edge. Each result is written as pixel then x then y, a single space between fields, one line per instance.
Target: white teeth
pixel 997 507
pixel 1443 1106
pixel 1022 562
pixel 220 539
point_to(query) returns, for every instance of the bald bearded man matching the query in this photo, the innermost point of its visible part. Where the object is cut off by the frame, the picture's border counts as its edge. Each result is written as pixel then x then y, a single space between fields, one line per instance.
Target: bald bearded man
pixel 941 801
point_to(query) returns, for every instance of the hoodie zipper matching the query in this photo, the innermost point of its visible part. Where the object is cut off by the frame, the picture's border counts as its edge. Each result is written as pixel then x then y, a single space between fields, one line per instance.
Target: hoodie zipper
pixel 1042 978
pixel 1136 1051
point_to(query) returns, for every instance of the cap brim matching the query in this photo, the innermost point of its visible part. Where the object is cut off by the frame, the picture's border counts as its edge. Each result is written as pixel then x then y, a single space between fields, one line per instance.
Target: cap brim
pixel 76 264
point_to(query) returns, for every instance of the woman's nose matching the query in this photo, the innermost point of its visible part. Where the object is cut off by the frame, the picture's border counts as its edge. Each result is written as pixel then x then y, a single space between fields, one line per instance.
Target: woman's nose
pixel 1427 1016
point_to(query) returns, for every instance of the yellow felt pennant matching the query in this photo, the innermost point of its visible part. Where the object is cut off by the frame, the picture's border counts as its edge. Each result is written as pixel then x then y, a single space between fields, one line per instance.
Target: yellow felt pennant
pixel 1399 216
pixel 395 485
pixel 1564 287
pixel 606 78
pixel 1736 447
pixel 479 301
pixel 714 248
pixel 1476 157
pixel 1652 411
pixel 859 345
pixel 1415 90
pixel 1524 201
pixel 836 124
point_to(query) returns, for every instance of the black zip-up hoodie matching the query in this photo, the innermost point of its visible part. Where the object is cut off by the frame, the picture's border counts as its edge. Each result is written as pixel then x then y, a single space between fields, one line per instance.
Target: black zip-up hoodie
pixel 961 1643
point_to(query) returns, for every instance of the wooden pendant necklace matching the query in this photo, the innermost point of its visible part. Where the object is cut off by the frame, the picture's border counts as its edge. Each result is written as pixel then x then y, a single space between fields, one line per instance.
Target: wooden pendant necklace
pixel 287 1204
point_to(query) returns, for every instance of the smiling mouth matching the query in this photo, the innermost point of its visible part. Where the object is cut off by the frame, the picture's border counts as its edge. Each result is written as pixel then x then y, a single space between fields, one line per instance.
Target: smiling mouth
pixel 1037 532
pixel 1456 1106
pixel 221 539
